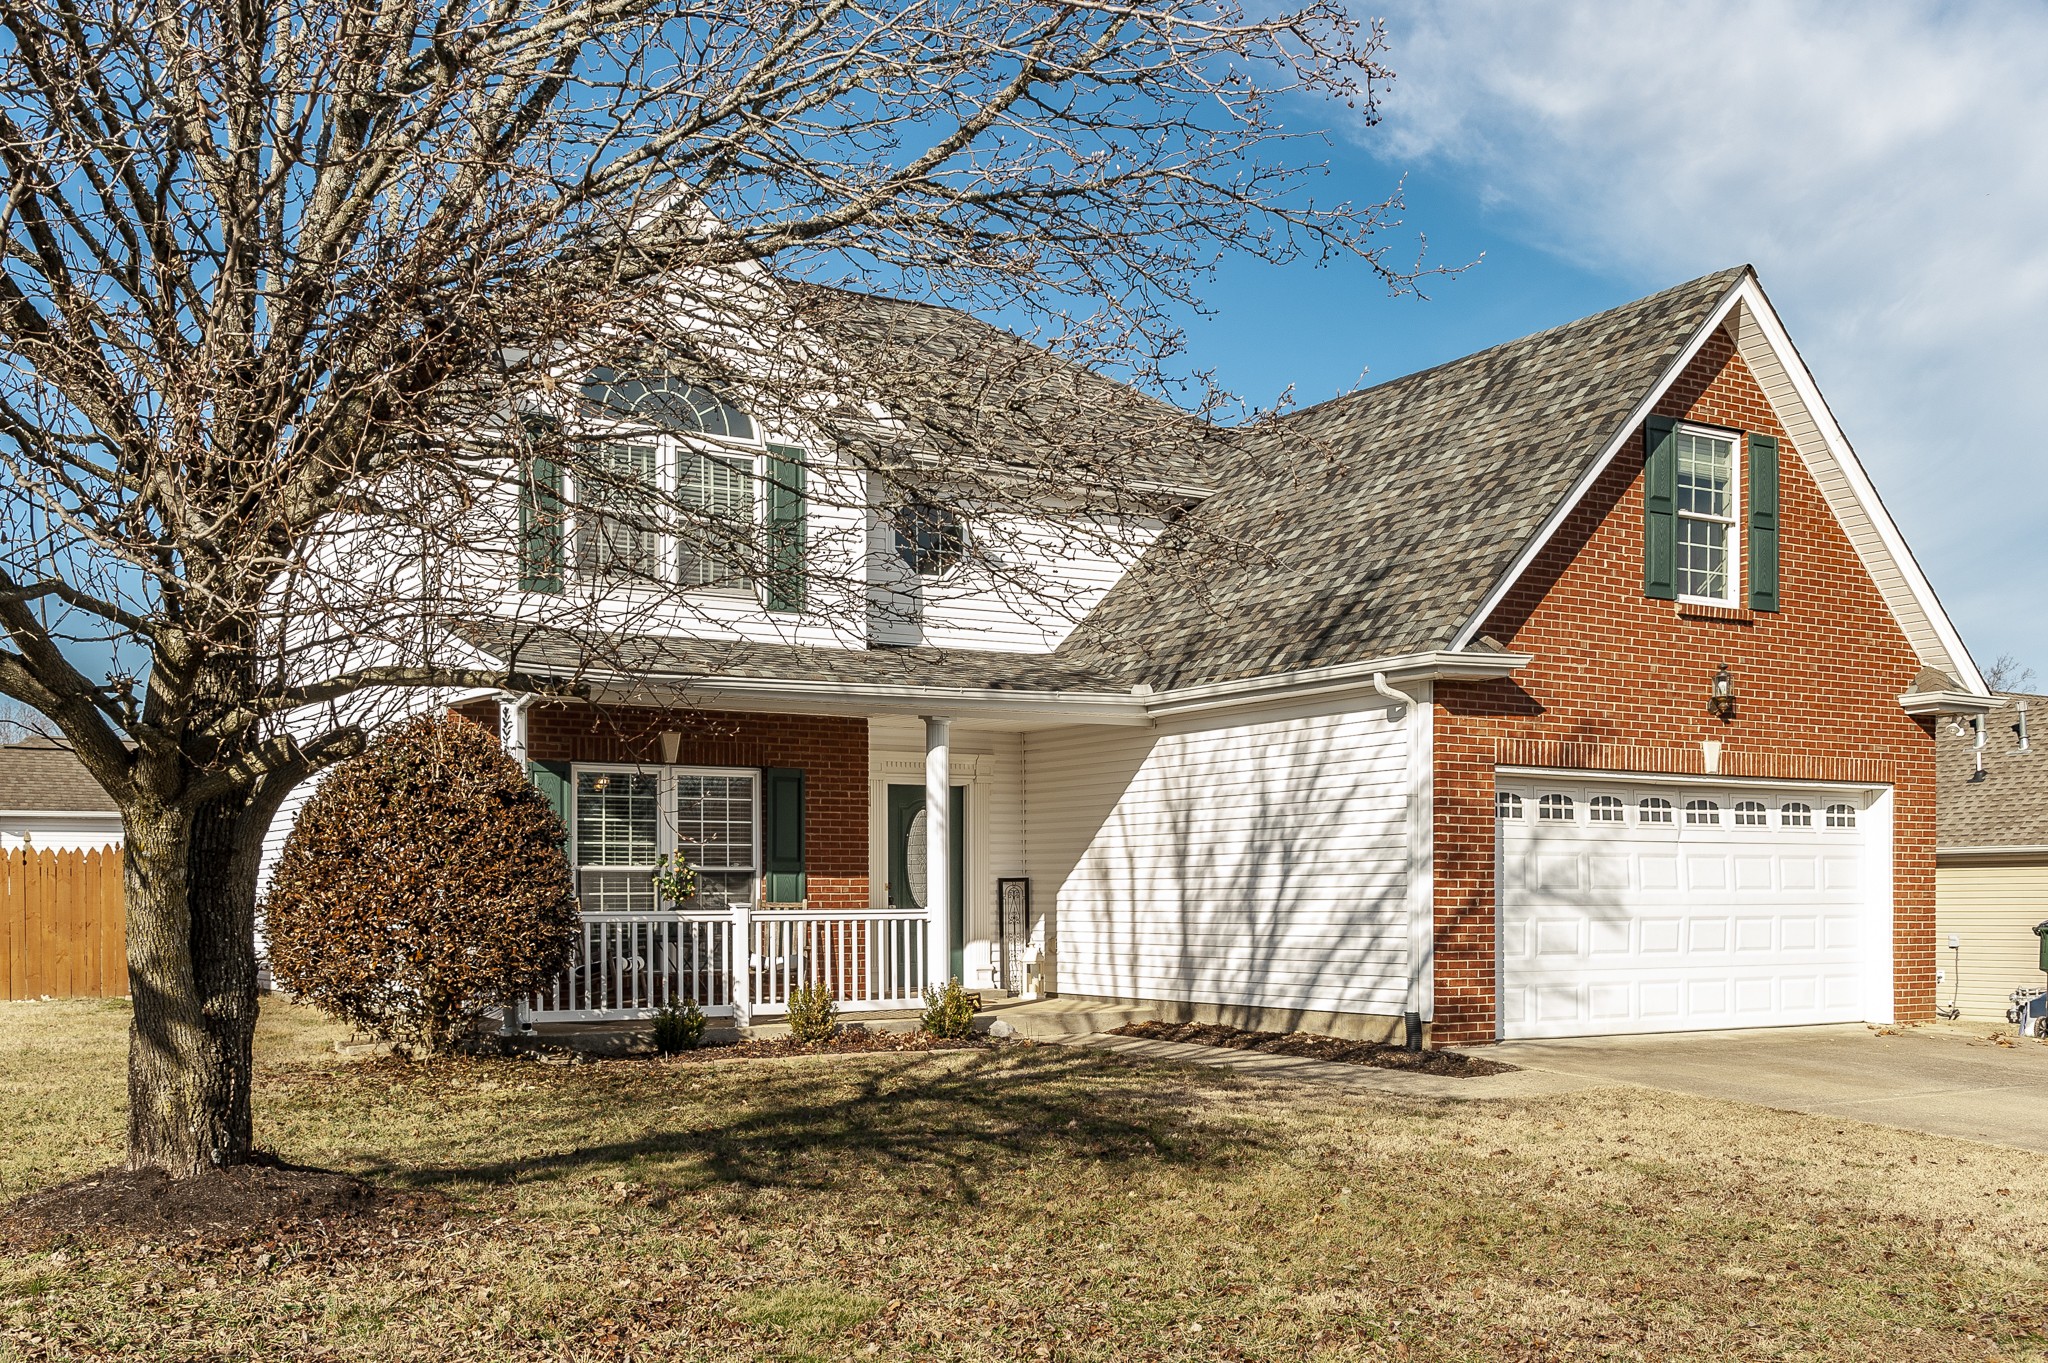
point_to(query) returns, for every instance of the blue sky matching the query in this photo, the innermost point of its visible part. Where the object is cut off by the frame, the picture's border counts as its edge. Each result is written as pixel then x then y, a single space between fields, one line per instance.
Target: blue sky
pixel 1883 165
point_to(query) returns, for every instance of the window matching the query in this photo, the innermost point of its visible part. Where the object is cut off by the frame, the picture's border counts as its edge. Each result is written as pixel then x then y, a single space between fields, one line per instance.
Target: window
pixel 929 538
pixel 715 834
pixel 1507 805
pixel 1841 816
pixel 621 832
pixel 675 498
pixel 1751 814
pixel 1795 815
pixel 1654 810
pixel 1555 809
pixel 715 492
pixel 1708 550
pixel 616 841
pixel 618 531
pixel 1604 809
pixel 1702 812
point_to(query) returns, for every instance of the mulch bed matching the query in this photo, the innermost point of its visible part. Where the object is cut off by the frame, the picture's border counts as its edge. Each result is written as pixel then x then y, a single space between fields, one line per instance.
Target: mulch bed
pixel 846 1040
pixel 259 1201
pixel 1312 1047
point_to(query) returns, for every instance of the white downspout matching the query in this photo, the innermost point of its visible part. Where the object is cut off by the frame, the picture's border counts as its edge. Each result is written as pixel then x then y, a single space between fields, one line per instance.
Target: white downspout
pixel 1379 684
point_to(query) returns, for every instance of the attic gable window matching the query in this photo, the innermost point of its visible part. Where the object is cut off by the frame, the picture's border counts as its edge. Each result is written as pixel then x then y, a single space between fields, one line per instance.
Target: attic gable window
pixel 1709 554
pixel 667 403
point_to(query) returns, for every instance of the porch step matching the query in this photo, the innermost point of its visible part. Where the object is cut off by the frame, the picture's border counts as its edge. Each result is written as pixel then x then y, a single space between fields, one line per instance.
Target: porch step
pixel 1050 1019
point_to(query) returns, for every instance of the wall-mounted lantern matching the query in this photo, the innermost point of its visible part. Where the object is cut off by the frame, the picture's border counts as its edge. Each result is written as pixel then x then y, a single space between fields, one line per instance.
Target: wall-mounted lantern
pixel 1721 696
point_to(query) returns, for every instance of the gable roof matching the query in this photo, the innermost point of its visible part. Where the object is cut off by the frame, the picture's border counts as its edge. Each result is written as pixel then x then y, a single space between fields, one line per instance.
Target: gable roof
pixel 2009 806
pixel 971 392
pixel 44 775
pixel 1374 525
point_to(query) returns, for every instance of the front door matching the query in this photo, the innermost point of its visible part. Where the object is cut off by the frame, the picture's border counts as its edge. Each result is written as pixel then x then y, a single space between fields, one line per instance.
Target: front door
pixel 906 861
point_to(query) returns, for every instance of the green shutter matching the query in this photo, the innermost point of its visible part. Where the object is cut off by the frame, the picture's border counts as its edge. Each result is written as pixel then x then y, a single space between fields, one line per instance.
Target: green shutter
pixel 785 528
pixel 782 837
pixel 541 521
pixel 1763 523
pixel 551 779
pixel 1660 509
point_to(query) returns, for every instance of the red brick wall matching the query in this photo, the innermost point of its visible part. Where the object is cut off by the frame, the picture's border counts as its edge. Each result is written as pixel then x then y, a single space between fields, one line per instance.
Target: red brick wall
pixel 832 753
pixel 1619 682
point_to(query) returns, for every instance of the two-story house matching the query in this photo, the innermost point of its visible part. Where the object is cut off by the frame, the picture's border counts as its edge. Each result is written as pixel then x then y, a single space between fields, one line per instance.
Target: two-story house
pixel 1581 685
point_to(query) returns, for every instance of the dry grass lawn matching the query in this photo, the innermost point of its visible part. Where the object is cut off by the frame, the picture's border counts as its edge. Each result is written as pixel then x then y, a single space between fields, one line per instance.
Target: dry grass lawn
pixel 1026 1203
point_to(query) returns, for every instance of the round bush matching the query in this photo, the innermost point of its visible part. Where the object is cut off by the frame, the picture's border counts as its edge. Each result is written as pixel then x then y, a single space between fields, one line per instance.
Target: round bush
pixel 423 882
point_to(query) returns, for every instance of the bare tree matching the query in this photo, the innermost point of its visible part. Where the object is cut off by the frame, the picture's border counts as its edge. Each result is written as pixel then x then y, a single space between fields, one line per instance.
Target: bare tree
pixel 2006 674
pixel 19 722
pixel 310 312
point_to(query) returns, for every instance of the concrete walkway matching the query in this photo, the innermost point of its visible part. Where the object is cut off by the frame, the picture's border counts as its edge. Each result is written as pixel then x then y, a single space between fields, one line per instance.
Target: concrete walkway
pixel 1946 1079
pixel 1334 1074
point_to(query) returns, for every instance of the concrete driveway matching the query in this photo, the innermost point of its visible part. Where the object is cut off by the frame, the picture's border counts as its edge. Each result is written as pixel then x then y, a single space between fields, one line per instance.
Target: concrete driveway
pixel 1948 1079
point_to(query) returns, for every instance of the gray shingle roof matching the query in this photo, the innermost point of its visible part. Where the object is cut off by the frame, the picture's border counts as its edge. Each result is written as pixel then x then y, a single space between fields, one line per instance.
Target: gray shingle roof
pixel 2009 807
pixel 979 394
pixel 1374 525
pixel 44 774
pixel 584 654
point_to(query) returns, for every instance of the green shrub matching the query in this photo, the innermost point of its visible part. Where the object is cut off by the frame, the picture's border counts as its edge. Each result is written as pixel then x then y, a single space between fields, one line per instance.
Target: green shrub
pixel 423 883
pixel 679 1029
pixel 813 1015
pixel 948 1012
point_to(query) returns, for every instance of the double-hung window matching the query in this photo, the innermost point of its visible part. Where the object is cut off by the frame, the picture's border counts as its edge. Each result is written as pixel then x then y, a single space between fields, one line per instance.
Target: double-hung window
pixel 627 819
pixel 1709 550
pixel 670 490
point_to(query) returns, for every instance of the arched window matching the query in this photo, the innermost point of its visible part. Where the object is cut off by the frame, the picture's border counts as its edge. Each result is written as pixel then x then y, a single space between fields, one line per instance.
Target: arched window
pixel 1751 814
pixel 1654 810
pixel 669 403
pixel 1507 805
pixel 1702 812
pixel 1793 814
pixel 1554 809
pixel 1841 816
pixel 1604 809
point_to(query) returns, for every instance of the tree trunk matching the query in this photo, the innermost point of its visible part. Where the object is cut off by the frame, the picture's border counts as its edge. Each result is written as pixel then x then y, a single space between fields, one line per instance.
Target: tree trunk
pixel 191 899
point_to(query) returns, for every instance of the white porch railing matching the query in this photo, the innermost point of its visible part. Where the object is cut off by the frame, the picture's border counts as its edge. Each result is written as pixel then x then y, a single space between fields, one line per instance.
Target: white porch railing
pixel 632 965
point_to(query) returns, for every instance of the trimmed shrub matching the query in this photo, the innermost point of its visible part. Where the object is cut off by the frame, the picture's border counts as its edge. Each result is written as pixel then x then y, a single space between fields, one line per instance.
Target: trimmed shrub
pixel 948 1012
pixel 813 1015
pixel 423 883
pixel 679 1029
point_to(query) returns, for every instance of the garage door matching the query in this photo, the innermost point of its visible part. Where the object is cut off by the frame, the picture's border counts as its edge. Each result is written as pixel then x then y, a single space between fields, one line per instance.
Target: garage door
pixel 1628 906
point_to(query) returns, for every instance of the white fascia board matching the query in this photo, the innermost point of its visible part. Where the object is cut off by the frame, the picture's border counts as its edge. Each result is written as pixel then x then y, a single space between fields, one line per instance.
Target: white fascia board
pixel 1948 703
pixel 1343 678
pixel 2026 855
pixel 1748 293
pixel 872 698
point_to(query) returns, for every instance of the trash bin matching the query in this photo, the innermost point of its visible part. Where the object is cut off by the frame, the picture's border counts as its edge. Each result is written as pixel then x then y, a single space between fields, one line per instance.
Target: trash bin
pixel 2041 931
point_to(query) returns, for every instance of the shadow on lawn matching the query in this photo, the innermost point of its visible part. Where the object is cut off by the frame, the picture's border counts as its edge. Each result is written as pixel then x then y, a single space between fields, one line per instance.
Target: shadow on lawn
pixel 817 1128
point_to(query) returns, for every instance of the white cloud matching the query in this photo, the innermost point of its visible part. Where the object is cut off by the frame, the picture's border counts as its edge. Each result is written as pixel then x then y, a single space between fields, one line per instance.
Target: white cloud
pixel 1885 167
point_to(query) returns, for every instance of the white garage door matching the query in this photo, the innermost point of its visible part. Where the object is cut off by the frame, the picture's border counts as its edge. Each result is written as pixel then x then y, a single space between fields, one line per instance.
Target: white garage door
pixel 1631 906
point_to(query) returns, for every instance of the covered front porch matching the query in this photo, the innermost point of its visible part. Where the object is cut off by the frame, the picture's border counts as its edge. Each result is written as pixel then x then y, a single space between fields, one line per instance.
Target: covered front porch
pixel 872 855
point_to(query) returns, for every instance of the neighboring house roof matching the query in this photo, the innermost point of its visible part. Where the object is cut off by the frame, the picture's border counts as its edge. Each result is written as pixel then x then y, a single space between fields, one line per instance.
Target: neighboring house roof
pixel 1373 525
pixel 43 775
pixel 2008 807
pixel 972 392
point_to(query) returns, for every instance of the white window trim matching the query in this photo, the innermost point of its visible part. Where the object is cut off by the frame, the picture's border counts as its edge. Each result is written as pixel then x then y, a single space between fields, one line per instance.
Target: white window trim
pixel 669 449
pixel 664 812
pixel 1740 443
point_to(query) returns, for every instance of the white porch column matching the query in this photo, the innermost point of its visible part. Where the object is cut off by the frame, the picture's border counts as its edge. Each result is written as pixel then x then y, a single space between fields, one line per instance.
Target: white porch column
pixel 938 847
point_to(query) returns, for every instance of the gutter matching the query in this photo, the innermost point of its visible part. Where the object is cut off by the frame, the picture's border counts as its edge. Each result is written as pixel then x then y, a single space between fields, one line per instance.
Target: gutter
pixel 1919 703
pixel 1139 707
pixel 2023 856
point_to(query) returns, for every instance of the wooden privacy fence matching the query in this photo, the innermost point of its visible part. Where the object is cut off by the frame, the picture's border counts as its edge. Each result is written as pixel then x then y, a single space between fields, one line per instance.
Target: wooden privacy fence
pixel 63 930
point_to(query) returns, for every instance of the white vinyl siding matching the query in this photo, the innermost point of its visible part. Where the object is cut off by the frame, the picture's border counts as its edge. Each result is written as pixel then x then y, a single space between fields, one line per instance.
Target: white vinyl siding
pixel 1262 865
pixel 1991 911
